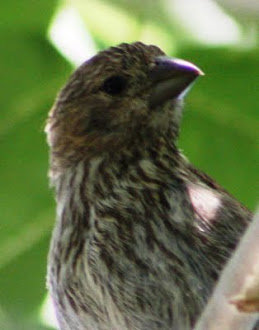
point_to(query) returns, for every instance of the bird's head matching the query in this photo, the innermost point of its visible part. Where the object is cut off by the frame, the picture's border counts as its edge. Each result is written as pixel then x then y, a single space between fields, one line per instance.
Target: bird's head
pixel 124 96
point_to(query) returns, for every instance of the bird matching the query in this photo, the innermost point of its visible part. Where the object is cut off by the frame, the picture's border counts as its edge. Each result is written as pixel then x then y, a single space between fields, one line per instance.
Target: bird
pixel 141 235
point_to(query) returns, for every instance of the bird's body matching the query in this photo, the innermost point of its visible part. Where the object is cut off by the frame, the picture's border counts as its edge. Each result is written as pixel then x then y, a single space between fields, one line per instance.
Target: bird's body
pixel 141 235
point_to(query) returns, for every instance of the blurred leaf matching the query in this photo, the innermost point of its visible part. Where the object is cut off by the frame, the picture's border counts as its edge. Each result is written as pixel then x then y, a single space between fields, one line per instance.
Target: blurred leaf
pixel 32 71
pixel 23 282
pixel 220 127
pixel 27 15
pixel 126 21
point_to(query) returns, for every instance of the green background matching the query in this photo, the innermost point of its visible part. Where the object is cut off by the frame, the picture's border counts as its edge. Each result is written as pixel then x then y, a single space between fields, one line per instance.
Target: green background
pixel 219 131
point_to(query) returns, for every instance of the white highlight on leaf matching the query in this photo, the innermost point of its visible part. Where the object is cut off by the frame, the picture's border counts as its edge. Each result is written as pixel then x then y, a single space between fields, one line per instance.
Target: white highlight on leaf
pixel 70 36
pixel 206 21
pixel 47 313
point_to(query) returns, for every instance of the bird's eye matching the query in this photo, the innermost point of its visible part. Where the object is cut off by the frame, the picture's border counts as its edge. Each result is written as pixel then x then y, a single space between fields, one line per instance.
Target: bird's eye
pixel 114 85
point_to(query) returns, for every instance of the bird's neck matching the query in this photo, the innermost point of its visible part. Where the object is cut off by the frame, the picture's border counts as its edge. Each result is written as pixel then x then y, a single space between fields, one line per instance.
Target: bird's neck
pixel 158 161
pixel 152 143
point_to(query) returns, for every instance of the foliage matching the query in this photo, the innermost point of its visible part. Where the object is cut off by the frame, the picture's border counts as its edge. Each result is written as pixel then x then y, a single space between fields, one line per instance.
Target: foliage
pixel 218 133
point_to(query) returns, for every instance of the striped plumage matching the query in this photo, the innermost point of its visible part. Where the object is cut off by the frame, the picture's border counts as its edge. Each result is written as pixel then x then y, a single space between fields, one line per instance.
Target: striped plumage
pixel 141 235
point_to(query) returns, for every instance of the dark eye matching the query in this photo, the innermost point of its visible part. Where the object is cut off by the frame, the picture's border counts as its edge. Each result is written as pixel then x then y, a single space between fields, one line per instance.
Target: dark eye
pixel 114 85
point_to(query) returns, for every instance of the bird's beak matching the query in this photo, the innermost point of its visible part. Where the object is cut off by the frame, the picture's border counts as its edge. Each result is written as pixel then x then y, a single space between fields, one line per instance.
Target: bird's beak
pixel 171 78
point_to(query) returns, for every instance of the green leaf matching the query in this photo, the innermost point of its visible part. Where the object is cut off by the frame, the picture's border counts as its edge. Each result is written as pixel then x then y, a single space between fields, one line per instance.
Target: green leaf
pixel 220 126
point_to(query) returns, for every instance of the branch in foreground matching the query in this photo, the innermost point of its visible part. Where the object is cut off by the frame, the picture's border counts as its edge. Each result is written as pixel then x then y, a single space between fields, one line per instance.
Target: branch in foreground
pixel 234 304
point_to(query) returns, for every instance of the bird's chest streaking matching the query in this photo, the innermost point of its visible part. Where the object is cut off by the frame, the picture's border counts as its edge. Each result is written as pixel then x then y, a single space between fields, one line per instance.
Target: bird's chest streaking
pixel 128 235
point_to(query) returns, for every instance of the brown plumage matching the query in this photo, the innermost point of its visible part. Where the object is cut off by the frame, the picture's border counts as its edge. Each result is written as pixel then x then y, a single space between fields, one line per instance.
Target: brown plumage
pixel 141 235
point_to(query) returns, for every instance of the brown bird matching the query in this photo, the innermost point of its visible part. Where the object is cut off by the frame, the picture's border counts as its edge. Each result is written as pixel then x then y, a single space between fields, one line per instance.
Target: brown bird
pixel 141 234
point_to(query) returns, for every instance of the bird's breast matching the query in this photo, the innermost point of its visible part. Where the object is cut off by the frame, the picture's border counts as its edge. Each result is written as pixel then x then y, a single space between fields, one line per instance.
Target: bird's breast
pixel 126 242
